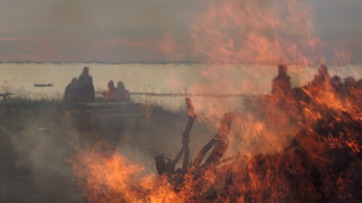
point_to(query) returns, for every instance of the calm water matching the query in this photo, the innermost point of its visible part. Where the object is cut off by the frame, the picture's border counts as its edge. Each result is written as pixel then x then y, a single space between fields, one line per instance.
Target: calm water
pixel 175 78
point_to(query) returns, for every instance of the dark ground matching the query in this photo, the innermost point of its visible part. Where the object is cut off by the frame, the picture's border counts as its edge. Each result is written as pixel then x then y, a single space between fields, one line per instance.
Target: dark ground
pixel 25 148
pixel 38 139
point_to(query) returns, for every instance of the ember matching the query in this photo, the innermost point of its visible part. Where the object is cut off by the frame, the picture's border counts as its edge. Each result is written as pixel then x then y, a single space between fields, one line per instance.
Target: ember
pixel 317 157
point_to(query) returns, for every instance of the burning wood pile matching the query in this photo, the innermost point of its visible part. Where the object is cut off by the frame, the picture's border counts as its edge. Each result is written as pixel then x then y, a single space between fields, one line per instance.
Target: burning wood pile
pixel 321 163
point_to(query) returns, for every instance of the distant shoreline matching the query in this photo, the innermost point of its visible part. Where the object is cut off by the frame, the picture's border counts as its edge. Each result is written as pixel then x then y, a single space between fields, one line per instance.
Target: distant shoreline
pixel 174 63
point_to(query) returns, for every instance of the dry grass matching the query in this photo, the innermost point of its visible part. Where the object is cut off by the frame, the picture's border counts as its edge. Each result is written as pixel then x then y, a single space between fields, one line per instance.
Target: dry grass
pixel 38 137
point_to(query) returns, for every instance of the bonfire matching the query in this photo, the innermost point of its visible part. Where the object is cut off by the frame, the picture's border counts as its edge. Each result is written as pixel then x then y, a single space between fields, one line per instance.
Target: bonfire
pixel 321 161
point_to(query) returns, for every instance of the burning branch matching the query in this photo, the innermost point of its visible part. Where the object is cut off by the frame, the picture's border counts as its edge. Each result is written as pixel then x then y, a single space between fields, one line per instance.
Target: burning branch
pixel 320 163
pixel 164 164
pixel 219 142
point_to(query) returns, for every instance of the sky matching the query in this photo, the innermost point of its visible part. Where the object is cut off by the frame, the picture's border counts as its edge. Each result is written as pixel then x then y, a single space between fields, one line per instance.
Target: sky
pixel 132 31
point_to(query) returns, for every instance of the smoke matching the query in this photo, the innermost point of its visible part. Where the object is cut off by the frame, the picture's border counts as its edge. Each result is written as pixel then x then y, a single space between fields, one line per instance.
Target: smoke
pixel 262 32
pixel 41 144
pixel 46 141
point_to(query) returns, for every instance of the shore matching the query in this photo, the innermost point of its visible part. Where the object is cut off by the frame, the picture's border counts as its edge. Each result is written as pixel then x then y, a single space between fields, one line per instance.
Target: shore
pixel 38 139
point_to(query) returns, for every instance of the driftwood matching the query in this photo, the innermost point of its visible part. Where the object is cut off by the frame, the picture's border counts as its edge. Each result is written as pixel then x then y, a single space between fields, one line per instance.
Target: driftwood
pixel 164 164
pixel 322 164
pixel 219 142
pixel 186 136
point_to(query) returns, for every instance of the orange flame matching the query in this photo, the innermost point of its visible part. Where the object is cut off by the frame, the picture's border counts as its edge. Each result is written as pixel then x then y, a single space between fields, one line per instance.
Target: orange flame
pixel 245 31
pixel 111 177
pixel 275 139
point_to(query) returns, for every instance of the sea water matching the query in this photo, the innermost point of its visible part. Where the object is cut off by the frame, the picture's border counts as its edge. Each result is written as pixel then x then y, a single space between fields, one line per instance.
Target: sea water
pixel 19 78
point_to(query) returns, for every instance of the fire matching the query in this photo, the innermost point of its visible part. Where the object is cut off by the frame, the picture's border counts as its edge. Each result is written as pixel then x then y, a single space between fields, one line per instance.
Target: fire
pixel 111 177
pixel 302 144
pixel 259 31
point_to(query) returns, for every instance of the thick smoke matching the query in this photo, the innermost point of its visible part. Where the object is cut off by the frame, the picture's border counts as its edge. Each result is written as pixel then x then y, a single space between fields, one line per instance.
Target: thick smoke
pixel 41 144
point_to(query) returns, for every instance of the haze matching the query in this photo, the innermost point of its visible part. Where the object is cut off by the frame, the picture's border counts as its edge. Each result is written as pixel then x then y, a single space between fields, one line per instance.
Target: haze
pixel 129 31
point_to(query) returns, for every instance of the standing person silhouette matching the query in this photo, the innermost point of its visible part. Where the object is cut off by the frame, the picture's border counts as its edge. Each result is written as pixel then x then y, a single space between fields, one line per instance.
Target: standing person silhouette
pixel 281 84
pixel 86 88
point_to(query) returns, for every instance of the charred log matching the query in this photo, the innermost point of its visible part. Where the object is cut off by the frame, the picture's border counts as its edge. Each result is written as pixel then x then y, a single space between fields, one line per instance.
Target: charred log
pixel 167 165
pixel 322 163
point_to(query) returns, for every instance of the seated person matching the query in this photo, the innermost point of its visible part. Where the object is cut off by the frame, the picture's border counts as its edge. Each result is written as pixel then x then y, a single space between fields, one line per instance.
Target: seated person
pixel 122 92
pixel 71 91
pixel 110 95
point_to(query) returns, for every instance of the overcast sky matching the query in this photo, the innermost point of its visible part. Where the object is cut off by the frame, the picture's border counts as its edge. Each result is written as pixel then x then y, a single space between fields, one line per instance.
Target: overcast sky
pixel 136 30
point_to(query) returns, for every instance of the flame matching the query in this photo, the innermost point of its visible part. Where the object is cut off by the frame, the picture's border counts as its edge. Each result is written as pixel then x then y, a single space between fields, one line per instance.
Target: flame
pixel 259 31
pixel 299 145
pixel 111 177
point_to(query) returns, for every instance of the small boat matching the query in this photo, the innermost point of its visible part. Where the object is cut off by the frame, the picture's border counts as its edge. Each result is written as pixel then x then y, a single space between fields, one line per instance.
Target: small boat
pixel 43 85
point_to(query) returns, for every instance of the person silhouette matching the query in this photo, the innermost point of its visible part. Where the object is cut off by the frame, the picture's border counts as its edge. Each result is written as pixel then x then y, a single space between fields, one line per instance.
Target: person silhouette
pixel 281 84
pixel 86 88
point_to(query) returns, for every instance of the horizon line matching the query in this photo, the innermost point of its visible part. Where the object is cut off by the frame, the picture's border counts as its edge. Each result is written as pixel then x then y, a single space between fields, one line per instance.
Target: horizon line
pixel 170 62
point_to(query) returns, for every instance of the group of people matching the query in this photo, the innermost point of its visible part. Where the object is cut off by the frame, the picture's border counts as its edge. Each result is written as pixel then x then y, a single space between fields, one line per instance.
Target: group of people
pixel 81 89
pixel 281 85
pixel 119 93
